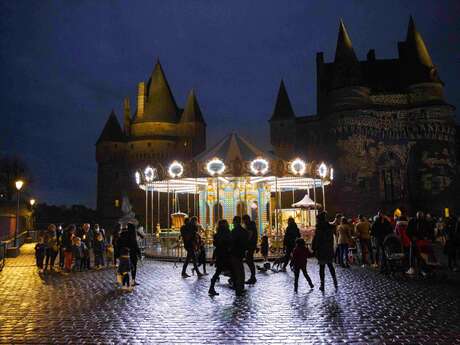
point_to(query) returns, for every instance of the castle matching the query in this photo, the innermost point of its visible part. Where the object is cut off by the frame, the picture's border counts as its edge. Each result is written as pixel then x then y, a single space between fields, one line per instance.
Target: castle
pixel 383 123
pixel 158 133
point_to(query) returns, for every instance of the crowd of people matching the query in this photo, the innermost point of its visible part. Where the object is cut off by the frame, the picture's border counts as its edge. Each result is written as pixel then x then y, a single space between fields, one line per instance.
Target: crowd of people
pixel 83 248
pixel 341 240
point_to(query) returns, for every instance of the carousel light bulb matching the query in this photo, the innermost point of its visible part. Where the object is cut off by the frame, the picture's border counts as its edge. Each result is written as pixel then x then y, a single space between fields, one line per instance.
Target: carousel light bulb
pixel 32 202
pixel 175 169
pixel 331 172
pixel 259 166
pixel 215 166
pixel 149 174
pixel 137 176
pixel 298 166
pixel 322 170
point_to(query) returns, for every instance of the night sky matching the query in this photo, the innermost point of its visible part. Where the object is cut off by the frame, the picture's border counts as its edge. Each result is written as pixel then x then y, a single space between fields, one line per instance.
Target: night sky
pixel 66 64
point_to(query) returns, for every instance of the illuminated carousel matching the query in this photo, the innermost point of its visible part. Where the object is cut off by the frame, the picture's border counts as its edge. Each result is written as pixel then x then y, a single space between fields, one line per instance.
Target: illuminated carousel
pixel 234 178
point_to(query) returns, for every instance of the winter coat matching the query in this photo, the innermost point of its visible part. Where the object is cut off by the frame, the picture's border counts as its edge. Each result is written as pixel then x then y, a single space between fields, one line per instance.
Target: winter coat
pixel 188 233
pixel 66 242
pixel 300 256
pixel 401 232
pixel 344 234
pixel 292 233
pixel 251 228
pixel 363 230
pixel 99 247
pixel 240 239
pixel 128 239
pixel 264 245
pixel 40 250
pixel 381 228
pixel 417 229
pixel 323 242
pixel 78 251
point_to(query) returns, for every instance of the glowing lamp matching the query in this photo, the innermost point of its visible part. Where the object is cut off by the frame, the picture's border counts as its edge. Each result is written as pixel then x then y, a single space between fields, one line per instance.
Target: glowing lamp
pixel 259 166
pixel 215 167
pixel 175 169
pixel 149 174
pixel 137 176
pixel 322 170
pixel 331 172
pixel 254 206
pixel 19 184
pixel 32 202
pixel 298 166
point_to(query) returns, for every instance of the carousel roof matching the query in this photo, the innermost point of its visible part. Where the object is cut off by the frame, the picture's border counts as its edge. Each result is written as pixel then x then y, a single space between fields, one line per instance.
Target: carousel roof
pixel 233 147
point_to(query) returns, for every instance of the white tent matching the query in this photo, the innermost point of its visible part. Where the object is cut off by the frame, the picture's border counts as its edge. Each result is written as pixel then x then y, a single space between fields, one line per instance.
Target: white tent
pixel 306 202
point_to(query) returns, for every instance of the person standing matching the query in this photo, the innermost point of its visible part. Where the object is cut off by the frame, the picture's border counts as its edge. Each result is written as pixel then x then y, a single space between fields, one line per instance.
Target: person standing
pixel 380 229
pixel 87 237
pixel 188 232
pixel 451 238
pixel 238 249
pixel 344 239
pixel 40 250
pixel 128 239
pixel 292 233
pixel 363 233
pixel 323 247
pixel 299 259
pixel 251 229
pixel 67 240
pixel 51 247
pixel 222 251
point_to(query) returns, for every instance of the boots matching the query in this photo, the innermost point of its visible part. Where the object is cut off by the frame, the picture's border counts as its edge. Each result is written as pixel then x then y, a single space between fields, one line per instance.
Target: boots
pixel 212 291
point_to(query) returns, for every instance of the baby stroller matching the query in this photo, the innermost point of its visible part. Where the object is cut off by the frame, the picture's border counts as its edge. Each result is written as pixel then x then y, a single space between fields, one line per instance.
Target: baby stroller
pixel 394 254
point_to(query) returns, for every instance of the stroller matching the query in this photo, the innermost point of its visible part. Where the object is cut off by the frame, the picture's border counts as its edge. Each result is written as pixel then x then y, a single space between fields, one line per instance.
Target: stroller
pixel 394 254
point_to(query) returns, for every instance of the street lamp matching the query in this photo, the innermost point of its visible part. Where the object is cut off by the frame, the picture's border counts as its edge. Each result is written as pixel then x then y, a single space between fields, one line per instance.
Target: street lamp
pixel 322 172
pixel 19 184
pixel 32 203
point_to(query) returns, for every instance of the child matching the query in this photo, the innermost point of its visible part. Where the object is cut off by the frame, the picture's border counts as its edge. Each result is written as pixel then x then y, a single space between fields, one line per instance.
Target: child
pixel 264 246
pixel 124 267
pixel 99 249
pixel 40 249
pixel 77 253
pixel 299 259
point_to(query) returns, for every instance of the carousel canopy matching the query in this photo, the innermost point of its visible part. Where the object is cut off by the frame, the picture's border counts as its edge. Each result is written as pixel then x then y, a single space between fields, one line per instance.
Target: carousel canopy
pixel 234 147
pixel 306 202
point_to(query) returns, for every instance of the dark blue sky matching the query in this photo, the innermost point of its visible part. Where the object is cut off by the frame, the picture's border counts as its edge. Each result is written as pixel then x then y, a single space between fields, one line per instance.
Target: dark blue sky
pixel 66 64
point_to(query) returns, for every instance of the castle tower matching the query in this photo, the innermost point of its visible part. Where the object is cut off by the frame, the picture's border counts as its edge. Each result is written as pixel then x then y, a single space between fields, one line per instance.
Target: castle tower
pixel 192 127
pixel 110 169
pixel 282 125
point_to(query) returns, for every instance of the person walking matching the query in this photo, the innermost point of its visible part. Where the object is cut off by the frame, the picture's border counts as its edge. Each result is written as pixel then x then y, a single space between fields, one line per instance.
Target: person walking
pixel 379 230
pixel 299 259
pixel 291 234
pixel 363 233
pixel 251 229
pixel 238 249
pixel 344 232
pixel 188 232
pixel 222 252
pixel 51 242
pixel 40 250
pixel 323 247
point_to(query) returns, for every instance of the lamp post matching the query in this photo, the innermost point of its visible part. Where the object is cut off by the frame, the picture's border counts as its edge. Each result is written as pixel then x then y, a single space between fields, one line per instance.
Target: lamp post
pixel 18 184
pixel 322 172
pixel 32 203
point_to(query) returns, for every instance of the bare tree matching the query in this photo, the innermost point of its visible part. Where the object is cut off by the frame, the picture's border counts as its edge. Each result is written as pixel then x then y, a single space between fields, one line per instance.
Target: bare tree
pixel 12 168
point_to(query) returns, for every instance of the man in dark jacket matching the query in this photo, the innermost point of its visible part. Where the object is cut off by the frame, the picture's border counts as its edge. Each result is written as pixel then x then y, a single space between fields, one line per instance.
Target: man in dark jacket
pixel 251 229
pixel 238 250
pixel 87 237
pixel 292 233
pixel 128 239
pixel 380 229
pixel 188 232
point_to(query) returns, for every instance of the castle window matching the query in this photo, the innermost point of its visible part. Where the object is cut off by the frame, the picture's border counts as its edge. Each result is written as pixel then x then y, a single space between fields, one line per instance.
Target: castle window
pixel 117 203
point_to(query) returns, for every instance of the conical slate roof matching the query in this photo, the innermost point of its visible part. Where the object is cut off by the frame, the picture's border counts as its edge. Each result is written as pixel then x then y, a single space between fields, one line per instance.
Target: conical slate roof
pixel 344 51
pixel 232 147
pixel 192 111
pixel 417 46
pixel 283 108
pixel 112 130
pixel 160 105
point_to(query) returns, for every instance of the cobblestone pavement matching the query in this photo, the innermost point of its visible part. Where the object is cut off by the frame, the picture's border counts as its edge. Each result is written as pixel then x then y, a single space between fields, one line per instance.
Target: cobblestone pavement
pixel 86 308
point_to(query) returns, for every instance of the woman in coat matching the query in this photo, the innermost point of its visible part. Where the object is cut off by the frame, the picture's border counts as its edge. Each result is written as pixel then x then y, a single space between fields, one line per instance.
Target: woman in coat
pixel 323 247
pixel 128 239
pixel 344 232
pixel 222 252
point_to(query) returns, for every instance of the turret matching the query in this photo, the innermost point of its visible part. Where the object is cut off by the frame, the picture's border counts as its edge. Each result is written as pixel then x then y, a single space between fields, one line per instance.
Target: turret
pixel 282 124
pixel 192 127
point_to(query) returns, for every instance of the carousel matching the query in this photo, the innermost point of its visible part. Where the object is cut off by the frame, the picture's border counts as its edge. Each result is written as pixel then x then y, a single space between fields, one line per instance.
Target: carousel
pixel 235 178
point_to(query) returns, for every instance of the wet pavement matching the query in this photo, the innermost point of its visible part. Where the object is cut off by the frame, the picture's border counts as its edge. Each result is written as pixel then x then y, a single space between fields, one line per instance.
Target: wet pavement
pixel 86 308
